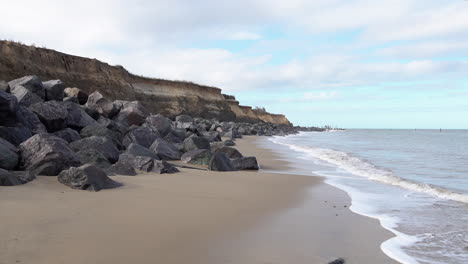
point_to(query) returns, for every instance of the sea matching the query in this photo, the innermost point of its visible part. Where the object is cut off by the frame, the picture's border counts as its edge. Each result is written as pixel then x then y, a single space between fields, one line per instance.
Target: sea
pixel 415 182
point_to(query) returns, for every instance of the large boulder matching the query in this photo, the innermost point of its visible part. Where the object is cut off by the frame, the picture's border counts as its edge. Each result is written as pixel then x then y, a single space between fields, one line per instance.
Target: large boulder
pixel 229 143
pixel 8 108
pixel 54 90
pixel 195 142
pixel 197 157
pixel 102 131
pixel 165 150
pixel 8 179
pixel 132 113
pixel 68 134
pixel 101 144
pixel 77 93
pixel 52 114
pixel 159 123
pixel 8 155
pixel 142 136
pixel 15 135
pixel 24 96
pixel 77 117
pixel 184 118
pixel 24 176
pixel 120 168
pixel 45 154
pixel 92 156
pixel 231 152
pixel 220 162
pixel 138 150
pixel 28 119
pixel 147 164
pixel 31 83
pixel 245 163
pixel 87 177
pixel 103 105
pixel 212 136
pixel 71 99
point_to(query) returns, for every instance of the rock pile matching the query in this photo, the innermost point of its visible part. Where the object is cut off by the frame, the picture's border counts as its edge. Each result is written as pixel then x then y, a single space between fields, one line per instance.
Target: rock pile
pixel 48 129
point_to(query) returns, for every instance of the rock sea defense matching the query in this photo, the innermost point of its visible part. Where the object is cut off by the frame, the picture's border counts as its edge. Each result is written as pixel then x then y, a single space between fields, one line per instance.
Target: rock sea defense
pixel 31 83
pixel 80 95
pixel 54 90
pixel 9 157
pixel 220 162
pixel 197 157
pixel 245 163
pixel 87 177
pixel 45 154
pixel 98 143
pixel 165 150
pixel 52 114
pixel 195 142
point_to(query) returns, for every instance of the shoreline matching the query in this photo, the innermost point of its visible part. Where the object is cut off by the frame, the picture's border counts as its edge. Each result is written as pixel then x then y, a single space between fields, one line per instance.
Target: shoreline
pixel 190 217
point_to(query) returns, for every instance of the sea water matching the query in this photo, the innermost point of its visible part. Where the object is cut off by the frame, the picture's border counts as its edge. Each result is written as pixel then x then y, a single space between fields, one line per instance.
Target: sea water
pixel 415 182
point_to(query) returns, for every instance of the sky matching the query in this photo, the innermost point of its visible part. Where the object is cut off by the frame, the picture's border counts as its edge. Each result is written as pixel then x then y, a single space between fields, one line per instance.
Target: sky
pixel 344 63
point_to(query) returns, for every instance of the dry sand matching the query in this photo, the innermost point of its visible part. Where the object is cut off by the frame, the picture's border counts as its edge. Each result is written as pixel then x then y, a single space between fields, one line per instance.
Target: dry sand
pixel 190 217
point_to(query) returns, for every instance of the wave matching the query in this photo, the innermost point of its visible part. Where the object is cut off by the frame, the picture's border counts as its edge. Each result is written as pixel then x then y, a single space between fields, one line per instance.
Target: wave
pixel 365 169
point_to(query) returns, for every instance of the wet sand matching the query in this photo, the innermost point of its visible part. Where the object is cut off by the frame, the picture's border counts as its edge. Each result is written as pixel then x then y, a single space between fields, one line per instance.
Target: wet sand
pixel 195 216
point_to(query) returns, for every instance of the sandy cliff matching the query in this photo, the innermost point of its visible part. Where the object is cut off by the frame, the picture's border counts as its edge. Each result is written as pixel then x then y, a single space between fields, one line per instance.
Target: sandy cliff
pixel 170 98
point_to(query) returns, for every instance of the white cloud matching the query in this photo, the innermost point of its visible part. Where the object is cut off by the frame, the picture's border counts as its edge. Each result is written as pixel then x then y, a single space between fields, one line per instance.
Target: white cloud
pixel 244 35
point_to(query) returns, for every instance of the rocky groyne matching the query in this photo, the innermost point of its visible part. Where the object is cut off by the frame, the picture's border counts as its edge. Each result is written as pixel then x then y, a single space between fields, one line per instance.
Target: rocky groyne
pixel 49 129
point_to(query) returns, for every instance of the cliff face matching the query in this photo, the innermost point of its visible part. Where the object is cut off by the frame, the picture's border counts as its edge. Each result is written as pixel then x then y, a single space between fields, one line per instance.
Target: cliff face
pixel 170 98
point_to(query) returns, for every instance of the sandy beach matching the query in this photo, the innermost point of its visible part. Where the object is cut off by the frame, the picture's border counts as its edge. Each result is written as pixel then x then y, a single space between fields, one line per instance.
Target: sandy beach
pixel 194 216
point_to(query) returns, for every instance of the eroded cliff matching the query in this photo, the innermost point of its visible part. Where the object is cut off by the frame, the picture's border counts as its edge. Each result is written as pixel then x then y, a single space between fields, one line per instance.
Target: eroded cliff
pixel 170 98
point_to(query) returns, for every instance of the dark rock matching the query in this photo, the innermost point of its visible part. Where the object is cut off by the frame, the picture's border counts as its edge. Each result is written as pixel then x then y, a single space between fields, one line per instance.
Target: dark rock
pixel 93 113
pixel 138 150
pixel 103 105
pixel 92 156
pixel 54 90
pixel 25 97
pixel 79 94
pixel 245 163
pixel 30 120
pixel 141 135
pixel 184 118
pixel 159 123
pixel 15 135
pixel 52 114
pixel 231 152
pixel 229 143
pixel 338 261
pixel 68 134
pixel 8 108
pixel 212 136
pixel 101 131
pixel 194 142
pixel 71 99
pixel 165 150
pixel 45 154
pixel 24 176
pixel 220 162
pixel 112 125
pixel 216 145
pixel 198 157
pixel 147 164
pixel 173 138
pixel 77 118
pixel 132 113
pixel 8 179
pixel 180 133
pixel 101 144
pixel 120 168
pixel 87 177
pixel 31 83
pixel 8 155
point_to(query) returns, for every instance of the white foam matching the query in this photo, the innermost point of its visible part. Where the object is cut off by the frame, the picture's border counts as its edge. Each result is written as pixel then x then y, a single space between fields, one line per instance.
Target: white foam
pixel 362 168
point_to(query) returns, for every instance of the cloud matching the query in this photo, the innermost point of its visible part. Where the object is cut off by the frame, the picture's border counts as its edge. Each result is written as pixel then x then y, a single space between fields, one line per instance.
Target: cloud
pixel 244 35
